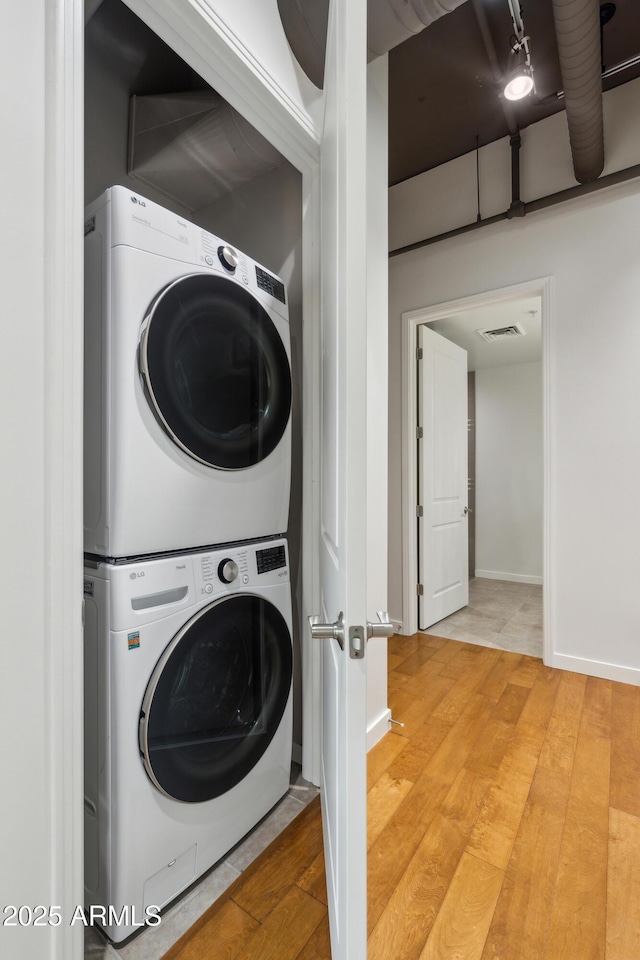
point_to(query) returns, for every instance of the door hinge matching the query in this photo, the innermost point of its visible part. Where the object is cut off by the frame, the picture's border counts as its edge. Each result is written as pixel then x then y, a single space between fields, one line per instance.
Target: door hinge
pixel 420 589
pixel 419 353
pixel 419 511
pixel 419 433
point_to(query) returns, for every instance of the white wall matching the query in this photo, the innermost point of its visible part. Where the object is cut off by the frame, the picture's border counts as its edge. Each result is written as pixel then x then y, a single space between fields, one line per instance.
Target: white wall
pixel 589 247
pixel 509 472
pixel 445 198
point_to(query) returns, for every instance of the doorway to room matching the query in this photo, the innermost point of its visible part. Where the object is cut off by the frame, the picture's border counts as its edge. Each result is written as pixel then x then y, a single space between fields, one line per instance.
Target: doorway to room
pixel 476 370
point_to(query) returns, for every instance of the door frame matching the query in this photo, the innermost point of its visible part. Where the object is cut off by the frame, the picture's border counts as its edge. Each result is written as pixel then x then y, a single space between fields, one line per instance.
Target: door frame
pixel 196 33
pixel 411 320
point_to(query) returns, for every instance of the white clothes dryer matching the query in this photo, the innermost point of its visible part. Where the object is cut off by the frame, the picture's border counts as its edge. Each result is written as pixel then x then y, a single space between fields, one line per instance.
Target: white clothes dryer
pixel 187 385
pixel 188 719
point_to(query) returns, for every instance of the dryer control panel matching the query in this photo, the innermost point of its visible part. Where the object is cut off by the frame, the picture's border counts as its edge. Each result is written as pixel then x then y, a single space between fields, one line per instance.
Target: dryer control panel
pixel 138 222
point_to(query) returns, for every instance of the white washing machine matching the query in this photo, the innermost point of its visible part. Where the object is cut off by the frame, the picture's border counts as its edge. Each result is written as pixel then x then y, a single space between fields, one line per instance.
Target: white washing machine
pixel 187 385
pixel 188 719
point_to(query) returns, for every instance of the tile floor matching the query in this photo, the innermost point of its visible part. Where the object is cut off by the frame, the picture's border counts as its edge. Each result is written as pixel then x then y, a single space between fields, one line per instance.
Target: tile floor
pixel 500 614
pixel 153 942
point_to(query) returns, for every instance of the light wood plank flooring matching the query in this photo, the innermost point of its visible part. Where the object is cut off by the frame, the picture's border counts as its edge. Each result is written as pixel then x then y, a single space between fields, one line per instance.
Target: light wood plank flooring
pixel 504 824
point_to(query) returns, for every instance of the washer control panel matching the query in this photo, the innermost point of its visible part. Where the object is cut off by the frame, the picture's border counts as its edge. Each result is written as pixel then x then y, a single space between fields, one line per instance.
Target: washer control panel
pixel 229 568
pixel 270 558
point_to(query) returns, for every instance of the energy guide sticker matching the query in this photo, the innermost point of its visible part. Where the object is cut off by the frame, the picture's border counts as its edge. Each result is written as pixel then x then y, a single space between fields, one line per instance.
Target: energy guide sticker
pixel 133 640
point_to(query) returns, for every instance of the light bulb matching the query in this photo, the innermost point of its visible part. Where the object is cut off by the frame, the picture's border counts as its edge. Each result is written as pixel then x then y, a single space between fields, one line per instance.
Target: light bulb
pixel 520 85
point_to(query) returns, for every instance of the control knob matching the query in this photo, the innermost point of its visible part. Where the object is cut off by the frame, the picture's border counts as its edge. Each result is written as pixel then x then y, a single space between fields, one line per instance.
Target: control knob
pixel 228 258
pixel 227 570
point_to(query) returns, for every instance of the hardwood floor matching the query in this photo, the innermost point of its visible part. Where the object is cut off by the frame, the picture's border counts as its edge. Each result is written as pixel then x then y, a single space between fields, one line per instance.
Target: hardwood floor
pixel 504 824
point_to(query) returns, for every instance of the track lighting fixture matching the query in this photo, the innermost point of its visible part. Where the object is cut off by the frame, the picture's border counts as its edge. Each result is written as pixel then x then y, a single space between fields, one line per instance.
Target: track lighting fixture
pixel 519 78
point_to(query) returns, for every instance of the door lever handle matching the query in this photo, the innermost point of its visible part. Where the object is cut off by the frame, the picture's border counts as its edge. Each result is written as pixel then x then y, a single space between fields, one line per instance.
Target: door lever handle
pixel 328 631
pixel 382 629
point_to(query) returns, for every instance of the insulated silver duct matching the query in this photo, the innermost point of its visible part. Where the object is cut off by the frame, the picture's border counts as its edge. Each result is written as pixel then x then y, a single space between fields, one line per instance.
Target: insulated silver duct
pixel 578 36
pixel 389 22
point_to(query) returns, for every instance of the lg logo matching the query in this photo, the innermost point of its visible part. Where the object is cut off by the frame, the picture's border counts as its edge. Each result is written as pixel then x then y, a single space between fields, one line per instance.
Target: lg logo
pixel 135 576
pixel 140 203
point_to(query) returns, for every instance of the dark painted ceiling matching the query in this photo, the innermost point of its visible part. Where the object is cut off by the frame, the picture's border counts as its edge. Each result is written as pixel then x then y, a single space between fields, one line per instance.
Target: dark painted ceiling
pixel 442 91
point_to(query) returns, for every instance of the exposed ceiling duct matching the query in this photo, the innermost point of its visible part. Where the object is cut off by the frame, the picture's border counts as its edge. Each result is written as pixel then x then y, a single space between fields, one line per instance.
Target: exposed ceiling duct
pixel 194 147
pixel 577 24
pixel 389 22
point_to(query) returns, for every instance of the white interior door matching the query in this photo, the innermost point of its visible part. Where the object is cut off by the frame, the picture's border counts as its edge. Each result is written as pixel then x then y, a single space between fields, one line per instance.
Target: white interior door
pixel 343 478
pixel 443 569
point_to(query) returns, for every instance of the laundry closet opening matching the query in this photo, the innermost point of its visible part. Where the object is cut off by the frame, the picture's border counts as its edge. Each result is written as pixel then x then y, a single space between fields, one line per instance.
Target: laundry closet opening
pixel 155 127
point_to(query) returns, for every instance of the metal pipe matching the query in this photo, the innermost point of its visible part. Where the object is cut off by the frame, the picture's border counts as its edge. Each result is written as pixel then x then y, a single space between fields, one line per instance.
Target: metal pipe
pixel 479 215
pixel 517 206
pixel 593 186
pixel 582 189
pixel 468 227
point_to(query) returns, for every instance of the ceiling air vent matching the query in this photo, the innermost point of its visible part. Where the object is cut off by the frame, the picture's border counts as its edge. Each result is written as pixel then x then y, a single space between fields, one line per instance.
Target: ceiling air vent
pixel 502 333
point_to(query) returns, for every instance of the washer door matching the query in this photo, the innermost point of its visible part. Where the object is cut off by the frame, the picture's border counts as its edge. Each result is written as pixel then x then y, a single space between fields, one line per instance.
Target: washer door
pixel 216 371
pixel 216 698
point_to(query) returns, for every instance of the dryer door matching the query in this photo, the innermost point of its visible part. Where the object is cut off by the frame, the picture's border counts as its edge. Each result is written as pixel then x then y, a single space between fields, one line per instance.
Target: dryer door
pixel 216 698
pixel 216 371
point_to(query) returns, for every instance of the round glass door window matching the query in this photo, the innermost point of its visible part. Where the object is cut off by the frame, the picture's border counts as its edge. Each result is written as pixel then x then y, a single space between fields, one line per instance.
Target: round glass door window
pixel 216 372
pixel 216 698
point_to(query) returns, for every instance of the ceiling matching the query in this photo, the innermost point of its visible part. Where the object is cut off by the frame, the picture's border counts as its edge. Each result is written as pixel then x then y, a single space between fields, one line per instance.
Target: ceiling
pixel 462 329
pixel 443 98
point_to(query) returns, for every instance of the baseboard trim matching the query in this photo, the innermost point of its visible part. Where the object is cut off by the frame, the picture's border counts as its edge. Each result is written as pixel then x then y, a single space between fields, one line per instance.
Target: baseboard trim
pixel 377 730
pixel 511 577
pixel 596 668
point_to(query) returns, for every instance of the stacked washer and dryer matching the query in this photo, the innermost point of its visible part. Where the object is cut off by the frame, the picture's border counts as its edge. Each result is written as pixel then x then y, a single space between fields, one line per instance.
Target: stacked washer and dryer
pixel 188 650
